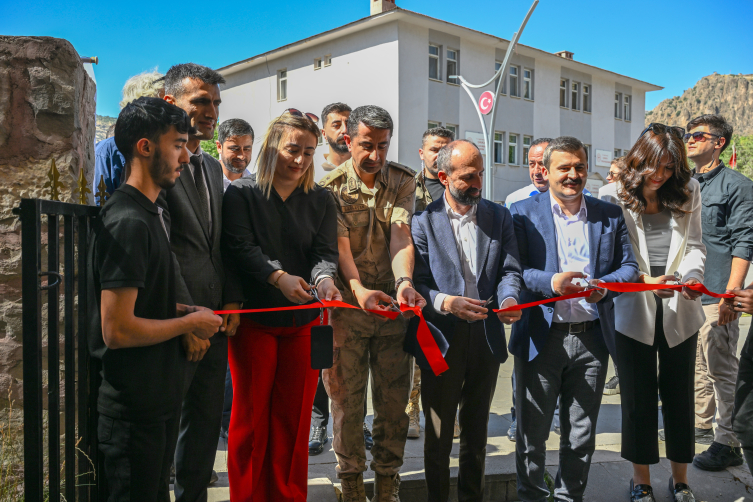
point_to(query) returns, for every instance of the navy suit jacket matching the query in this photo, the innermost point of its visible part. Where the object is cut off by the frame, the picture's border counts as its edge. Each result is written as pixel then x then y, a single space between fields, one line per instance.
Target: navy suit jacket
pixel 611 256
pixel 438 270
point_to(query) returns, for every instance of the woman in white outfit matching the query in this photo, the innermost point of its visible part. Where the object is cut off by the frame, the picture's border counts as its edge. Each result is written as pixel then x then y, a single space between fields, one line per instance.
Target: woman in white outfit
pixel 662 207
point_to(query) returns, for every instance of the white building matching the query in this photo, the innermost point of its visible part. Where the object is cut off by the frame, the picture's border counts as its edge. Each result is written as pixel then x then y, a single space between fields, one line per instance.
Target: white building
pixel 401 60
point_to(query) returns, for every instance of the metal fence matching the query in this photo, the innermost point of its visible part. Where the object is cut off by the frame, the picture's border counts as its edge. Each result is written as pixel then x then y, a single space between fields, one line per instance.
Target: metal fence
pixel 80 466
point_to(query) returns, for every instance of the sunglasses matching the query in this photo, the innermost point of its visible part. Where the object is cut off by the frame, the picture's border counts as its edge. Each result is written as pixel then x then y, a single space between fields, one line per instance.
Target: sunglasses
pixel 698 136
pixel 313 118
pixel 658 128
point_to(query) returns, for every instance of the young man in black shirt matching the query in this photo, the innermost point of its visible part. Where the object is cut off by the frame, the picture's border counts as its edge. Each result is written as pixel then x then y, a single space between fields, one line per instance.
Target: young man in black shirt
pixel 136 321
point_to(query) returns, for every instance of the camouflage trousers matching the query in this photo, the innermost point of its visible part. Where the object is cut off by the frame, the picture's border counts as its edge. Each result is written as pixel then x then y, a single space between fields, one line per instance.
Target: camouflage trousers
pixel 362 343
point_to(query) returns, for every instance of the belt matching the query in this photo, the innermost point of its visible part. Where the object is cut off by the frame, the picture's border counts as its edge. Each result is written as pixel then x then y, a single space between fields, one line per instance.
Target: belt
pixel 575 327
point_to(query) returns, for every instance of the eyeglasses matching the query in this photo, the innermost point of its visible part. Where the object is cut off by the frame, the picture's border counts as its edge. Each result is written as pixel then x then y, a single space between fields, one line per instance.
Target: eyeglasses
pixel 313 118
pixel 658 128
pixel 698 136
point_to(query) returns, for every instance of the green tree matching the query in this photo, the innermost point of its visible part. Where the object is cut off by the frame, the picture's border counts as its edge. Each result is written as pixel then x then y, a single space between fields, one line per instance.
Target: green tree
pixel 211 146
pixel 744 147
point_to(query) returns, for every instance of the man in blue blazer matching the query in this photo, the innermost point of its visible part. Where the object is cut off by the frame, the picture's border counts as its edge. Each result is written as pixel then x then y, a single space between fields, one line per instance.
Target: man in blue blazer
pixel 466 263
pixel 566 242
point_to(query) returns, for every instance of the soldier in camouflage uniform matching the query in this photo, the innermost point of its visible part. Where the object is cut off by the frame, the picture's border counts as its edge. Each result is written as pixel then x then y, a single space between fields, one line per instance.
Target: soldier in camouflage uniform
pixel 427 187
pixel 375 200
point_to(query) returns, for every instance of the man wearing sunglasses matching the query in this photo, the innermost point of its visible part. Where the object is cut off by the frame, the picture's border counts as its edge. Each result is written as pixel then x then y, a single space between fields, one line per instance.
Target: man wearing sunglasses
pixel 727 217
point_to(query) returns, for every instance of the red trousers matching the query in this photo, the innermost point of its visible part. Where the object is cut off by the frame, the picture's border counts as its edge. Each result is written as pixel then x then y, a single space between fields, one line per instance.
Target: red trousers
pixel 273 392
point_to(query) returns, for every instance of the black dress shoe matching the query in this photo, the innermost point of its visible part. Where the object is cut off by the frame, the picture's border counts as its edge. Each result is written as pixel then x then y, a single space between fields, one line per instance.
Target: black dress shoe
pixel 368 441
pixel 317 440
pixel 680 491
pixel 641 493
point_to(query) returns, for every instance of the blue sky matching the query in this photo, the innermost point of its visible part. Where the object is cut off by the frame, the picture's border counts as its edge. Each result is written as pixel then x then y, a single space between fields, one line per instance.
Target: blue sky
pixel 671 44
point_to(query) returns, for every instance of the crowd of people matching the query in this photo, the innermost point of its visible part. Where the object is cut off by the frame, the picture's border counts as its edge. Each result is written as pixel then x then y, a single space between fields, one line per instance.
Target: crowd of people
pixel 182 235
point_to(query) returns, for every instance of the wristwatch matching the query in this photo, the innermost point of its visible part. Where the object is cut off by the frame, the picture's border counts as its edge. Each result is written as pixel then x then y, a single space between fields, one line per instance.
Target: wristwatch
pixel 402 280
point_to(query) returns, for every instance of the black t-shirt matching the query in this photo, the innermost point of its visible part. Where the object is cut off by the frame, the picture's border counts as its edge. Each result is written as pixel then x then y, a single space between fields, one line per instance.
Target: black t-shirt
pixel 130 249
pixel 435 188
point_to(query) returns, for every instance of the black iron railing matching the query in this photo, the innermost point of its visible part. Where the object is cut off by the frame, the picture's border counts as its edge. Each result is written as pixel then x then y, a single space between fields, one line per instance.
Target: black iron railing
pixel 80 464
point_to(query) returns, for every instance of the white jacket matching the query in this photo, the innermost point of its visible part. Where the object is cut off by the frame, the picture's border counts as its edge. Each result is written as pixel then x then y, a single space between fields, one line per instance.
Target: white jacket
pixel 635 313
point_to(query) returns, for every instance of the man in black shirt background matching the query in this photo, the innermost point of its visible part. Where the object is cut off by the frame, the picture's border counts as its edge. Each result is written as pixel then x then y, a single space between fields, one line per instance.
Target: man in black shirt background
pixel 194 207
pixel 136 321
pixel 727 218
pixel 428 187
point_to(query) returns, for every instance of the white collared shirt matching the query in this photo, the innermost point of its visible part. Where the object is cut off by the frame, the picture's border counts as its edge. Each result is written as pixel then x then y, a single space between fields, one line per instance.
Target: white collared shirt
pixel 465 230
pixel 521 194
pixel 573 255
pixel 226 182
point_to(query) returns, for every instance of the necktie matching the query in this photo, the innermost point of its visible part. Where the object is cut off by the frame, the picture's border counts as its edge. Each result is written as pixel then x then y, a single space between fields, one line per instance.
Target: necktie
pixel 201 187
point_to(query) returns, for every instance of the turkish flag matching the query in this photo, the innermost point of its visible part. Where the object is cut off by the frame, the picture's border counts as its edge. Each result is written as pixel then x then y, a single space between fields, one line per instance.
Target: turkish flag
pixel 733 158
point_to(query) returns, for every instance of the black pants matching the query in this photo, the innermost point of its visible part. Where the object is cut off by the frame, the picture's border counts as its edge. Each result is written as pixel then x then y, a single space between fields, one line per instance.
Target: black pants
pixel 320 410
pixel 137 457
pixel 742 417
pixel 227 405
pixel 470 383
pixel 639 384
pixel 200 421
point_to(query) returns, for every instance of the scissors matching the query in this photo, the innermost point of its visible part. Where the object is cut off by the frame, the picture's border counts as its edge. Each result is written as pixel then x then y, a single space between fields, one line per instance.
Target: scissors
pixel 487 302
pixel 313 292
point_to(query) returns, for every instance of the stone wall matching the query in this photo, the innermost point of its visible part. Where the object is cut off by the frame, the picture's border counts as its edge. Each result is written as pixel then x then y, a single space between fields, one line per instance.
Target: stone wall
pixel 47 109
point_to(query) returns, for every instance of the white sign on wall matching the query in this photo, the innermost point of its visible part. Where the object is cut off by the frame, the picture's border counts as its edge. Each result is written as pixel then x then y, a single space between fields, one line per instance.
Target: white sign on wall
pixel 603 158
pixel 478 139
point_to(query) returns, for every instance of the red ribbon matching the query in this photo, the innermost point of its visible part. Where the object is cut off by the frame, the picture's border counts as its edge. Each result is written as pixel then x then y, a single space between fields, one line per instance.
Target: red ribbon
pixel 426 340
pixel 620 287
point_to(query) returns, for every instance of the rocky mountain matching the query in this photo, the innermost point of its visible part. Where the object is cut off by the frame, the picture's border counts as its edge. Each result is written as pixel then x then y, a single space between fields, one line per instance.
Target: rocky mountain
pixel 728 95
pixel 103 124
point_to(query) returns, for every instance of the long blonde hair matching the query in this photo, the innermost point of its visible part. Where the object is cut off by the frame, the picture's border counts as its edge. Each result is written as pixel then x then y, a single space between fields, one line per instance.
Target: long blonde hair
pixel 266 162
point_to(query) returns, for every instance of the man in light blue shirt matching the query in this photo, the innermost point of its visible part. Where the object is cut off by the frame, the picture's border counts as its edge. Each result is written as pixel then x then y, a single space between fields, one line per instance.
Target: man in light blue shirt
pixel 109 163
pixel 567 243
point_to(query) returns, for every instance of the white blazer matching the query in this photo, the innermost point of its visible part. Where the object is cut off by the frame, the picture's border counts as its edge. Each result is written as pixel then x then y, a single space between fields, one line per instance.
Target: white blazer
pixel 635 313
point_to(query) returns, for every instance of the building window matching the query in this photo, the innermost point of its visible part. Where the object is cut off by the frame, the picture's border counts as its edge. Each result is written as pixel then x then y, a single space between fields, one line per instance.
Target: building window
pixel 282 85
pixel 514 90
pixel 452 66
pixel 527 84
pixel 617 153
pixel 526 148
pixel 575 96
pixel 453 128
pixel 617 105
pixel 626 108
pixel 434 62
pixel 432 125
pixel 317 63
pixel 498 147
pixel 328 60
pixel 563 93
pixel 512 150
pixel 497 66
pixel 586 98
pixel 320 140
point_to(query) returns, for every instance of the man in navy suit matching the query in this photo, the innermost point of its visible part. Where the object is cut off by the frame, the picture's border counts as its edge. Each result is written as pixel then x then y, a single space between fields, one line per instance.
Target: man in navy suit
pixel 567 242
pixel 466 263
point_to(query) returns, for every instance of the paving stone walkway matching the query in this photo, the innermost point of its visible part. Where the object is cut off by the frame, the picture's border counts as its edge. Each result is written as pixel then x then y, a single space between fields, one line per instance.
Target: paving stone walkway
pixel 608 481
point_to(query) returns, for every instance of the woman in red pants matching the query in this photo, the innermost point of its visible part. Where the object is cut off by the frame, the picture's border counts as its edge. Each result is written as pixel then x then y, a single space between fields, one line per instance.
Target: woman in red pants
pixel 280 235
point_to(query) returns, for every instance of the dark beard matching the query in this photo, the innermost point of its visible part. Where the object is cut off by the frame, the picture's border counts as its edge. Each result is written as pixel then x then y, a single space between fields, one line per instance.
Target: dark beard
pixel 433 169
pixel 465 198
pixel 160 171
pixel 337 146
pixel 228 164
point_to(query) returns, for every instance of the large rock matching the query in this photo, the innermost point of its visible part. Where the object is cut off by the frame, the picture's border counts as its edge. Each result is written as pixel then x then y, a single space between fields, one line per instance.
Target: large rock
pixel 47 107
pixel 727 95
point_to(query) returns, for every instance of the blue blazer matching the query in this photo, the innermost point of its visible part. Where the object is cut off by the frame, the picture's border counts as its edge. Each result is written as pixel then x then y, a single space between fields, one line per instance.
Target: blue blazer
pixel 611 255
pixel 438 270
